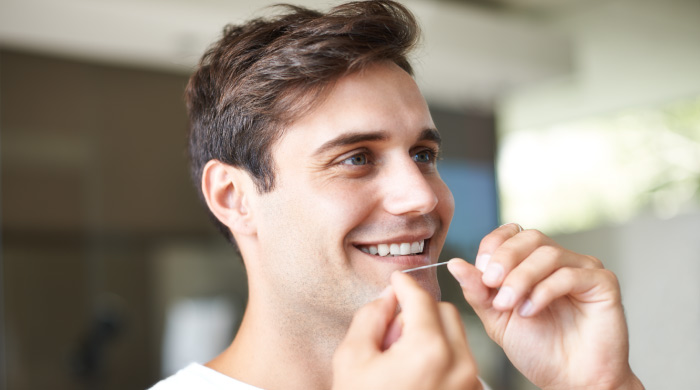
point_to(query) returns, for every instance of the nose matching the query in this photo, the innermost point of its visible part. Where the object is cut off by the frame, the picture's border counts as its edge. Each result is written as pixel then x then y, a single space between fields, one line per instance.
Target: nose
pixel 407 190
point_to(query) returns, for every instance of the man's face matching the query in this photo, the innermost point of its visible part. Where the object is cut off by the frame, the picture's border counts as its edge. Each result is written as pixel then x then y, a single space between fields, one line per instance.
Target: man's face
pixel 354 177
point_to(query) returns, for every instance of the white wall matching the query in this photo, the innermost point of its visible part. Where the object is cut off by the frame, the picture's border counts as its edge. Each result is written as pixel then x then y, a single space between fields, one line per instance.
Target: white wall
pixel 658 264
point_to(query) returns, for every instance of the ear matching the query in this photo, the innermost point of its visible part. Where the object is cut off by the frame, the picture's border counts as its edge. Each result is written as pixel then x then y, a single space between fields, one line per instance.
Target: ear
pixel 226 190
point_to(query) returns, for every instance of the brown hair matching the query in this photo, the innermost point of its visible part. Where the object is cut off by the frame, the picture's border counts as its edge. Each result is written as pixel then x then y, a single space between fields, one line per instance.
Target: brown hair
pixel 263 74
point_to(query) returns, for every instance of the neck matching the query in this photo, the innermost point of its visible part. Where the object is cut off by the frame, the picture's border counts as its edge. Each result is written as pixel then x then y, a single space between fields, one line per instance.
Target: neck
pixel 281 348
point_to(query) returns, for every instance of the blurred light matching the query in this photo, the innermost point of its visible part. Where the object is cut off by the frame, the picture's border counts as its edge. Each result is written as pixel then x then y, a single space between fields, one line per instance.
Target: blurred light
pixel 580 174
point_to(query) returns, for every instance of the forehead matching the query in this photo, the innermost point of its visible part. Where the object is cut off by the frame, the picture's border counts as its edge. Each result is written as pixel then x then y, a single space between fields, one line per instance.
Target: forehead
pixel 382 98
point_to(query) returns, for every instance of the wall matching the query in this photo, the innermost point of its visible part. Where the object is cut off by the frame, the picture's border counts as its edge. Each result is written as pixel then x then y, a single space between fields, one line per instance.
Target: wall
pixel 658 265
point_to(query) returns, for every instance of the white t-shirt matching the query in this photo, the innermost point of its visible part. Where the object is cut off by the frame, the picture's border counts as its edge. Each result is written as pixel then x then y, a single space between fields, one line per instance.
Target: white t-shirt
pixel 197 376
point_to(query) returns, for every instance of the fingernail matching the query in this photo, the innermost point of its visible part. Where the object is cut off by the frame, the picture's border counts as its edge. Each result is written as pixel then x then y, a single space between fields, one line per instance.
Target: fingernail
pixel 504 298
pixel 493 274
pixel 481 261
pixel 526 308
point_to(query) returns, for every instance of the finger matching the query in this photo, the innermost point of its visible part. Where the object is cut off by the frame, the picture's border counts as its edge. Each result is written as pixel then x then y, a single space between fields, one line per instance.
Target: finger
pixel 452 324
pixel 463 362
pixel 444 348
pixel 393 332
pixel 492 241
pixel 369 325
pixel 510 254
pixel 478 295
pixel 580 284
pixel 538 265
pixel 418 307
pixel 469 278
pixel 447 354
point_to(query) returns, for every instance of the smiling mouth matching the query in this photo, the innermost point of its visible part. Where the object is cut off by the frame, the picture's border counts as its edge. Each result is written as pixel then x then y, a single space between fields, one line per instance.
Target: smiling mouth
pixel 394 249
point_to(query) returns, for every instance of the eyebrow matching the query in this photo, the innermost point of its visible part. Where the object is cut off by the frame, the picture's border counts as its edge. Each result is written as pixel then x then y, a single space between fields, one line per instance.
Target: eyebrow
pixel 354 138
pixel 431 135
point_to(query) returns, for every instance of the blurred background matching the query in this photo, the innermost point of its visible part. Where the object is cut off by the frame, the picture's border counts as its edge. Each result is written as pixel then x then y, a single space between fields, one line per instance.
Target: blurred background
pixel 578 118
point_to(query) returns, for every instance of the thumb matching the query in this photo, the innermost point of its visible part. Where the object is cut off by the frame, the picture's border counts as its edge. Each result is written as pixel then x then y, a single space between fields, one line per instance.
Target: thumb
pixel 478 295
pixel 369 325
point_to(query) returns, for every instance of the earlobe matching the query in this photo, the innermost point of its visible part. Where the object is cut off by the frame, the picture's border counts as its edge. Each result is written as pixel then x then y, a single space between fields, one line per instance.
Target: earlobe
pixel 226 189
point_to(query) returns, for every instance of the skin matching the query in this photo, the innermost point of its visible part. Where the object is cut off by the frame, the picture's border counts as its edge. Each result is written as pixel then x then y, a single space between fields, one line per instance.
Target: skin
pixel 557 314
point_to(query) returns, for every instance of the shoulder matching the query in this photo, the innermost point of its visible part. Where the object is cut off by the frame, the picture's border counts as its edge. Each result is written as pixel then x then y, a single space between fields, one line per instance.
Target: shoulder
pixel 197 376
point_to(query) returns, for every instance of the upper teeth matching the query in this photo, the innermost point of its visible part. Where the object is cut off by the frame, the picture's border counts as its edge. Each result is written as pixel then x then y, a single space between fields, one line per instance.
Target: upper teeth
pixel 398 249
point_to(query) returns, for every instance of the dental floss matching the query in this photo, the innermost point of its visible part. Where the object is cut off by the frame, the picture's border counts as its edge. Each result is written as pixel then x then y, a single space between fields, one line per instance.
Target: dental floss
pixel 424 267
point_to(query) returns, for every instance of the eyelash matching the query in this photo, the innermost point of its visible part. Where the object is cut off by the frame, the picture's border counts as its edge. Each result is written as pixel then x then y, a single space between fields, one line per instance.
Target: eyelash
pixel 432 153
pixel 365 153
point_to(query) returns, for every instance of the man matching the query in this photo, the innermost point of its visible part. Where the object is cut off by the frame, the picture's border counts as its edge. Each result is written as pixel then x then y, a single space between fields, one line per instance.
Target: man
pixel 315 152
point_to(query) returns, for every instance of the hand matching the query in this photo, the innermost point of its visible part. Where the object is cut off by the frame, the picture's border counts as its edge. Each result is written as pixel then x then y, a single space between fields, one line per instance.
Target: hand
pixel 424 347
pixel 557 314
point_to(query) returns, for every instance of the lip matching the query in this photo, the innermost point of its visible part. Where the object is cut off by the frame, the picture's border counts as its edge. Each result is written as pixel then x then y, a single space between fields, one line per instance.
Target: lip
pixel 396 239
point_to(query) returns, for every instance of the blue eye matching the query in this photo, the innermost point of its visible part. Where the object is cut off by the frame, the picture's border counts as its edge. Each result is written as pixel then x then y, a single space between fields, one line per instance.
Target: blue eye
pixel 358 159
pixel 424 156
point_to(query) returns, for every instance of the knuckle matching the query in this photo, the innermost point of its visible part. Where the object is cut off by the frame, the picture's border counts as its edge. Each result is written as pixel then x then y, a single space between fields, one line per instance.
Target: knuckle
pixel 568 274
pixel 610 277
pixel 551 253
pixel 564 276
pixel 492 240
pixel 535 236
pixel 594 261
pixel 506 254
pixel 543 290
pixel 521 277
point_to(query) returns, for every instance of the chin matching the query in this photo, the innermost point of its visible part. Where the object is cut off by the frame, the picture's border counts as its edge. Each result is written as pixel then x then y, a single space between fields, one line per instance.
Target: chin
pixel 428 280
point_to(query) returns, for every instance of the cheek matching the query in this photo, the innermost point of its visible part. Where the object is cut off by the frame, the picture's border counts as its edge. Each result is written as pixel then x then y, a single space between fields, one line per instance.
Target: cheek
pixel 314 216
pixel 446 202
pixel 342 208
